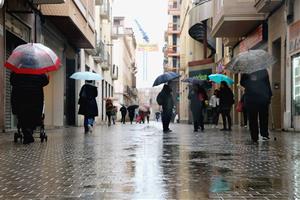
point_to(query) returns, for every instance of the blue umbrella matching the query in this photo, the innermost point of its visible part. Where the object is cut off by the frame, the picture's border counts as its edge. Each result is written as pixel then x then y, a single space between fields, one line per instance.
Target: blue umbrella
pixel 218 78
pixel 166 77
pixel 90 76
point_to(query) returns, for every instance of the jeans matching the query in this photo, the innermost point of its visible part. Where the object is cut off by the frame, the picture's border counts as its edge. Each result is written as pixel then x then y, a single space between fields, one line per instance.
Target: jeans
pixel 226 118
pixel 88 121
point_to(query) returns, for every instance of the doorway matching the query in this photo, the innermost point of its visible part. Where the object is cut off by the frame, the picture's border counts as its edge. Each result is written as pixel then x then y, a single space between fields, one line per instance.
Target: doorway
pixel 12 41
pixel 70 106
pixel 276 87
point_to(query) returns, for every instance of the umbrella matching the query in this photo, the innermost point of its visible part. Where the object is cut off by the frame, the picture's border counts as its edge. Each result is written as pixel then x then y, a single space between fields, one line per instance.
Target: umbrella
pixel 132 107
pixel 166 77
pixel 32 58
pixel 86 76
pixel 251 61
pixel 218 78
pixel 192 80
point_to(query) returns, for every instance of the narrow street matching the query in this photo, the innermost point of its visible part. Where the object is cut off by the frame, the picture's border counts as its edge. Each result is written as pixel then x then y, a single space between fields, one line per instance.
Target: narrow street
pixel 140 162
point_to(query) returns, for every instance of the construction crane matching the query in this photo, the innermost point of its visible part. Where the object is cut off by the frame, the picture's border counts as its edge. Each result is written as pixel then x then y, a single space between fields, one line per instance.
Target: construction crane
pixel 145 54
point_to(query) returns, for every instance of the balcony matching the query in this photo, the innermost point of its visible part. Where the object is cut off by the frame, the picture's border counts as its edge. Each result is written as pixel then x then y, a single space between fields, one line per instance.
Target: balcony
pixel 173 51
pixel 105 10
pixel 99 52
pixel 174 8
pixel 98 2
pixel 235 18
pixel 198 29
pixel 173 28
pixel 115 72
pixel 267 6
pixel 75 19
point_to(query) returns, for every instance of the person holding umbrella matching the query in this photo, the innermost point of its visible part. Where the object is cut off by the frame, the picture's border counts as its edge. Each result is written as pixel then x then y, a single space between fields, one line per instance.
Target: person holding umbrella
pixel 197 96
pixel 29 64
pixel 226 102
pixel 88 105
pixel 165 99
pixel 257 98
pixel 109 109
pixel 131 112
pixel 123 111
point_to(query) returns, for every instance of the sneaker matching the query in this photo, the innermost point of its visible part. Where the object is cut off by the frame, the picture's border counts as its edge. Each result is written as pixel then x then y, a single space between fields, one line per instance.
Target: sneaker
pixel 90 128
pixel 266 138
pixel 245 126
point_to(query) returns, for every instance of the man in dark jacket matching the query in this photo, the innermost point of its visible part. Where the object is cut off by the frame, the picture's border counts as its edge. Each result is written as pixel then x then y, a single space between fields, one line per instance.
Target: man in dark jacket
pixel 258 95
pixel 123 111
pixel 226 102
pixel 88 105
pixel 27 100
pixel 165 99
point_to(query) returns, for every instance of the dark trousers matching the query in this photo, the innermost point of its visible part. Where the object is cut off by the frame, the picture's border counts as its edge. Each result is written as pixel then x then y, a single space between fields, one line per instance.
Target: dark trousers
pixel 215 113
pixel 198 120
pixel 148 119
pixel 166 119
pixel 226 118
pixel 109 118
pixel 123 119
pixel 258 113
pixel 245 116
pixel 88 121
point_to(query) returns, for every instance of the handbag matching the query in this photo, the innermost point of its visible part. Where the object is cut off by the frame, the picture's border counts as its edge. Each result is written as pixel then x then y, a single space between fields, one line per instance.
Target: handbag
pixel 239 107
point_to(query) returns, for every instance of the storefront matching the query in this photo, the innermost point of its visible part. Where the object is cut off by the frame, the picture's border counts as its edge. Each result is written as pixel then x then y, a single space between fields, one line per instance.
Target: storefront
pixel 294 52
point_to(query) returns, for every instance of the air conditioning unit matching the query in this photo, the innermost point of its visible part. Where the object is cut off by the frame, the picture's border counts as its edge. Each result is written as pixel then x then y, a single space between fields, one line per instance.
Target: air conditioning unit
pixel 48 1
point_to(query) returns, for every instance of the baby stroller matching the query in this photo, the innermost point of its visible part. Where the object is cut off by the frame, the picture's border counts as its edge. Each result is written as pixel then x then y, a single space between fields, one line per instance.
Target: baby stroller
pixel 41 129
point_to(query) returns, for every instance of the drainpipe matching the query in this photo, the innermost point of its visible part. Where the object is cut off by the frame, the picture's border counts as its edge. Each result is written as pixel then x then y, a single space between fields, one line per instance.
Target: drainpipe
pixel 205 40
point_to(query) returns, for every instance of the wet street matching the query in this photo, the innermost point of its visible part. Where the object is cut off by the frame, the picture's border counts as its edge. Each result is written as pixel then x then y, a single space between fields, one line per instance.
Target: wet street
pixel 140 162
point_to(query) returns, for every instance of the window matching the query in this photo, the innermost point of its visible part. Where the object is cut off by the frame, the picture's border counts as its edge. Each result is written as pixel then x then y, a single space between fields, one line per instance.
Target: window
pixel 296 86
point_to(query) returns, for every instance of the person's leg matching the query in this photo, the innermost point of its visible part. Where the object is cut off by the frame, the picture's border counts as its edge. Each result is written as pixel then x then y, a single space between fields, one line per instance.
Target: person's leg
pixel 245 115
pixel 201 120
pixel 109 119
pixel 253 123
pixel 164 122
pixel 85 124
pixel 264 120
pixel 196 121
pixel 168 121
pixel 223 113
pixel 228 119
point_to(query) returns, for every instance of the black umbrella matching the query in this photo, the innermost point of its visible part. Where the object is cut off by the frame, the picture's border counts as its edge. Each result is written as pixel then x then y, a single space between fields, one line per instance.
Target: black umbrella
pixel 132 107
pixel 166 77
pixel 202 83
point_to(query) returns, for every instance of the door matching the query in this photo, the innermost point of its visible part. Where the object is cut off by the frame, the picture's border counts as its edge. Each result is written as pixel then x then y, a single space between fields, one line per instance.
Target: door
pixel 70 104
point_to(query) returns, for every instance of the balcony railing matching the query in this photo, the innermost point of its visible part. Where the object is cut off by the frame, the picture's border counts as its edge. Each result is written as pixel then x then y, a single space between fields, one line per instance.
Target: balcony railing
pixel 99 54
pixel 173 28
pixel 105 10
pixel 106 64
pixel 267 6
pixel 173 50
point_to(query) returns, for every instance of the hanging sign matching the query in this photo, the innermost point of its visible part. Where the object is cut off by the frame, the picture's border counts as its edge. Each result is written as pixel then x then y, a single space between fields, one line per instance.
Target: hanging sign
pixel 147 47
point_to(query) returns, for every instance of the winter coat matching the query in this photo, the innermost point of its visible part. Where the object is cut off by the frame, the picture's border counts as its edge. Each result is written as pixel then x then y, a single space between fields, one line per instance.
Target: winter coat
pixel 27 96
pixel 165 99
pixel 226 98
pixel 123 111
pixel 257 87
pixel 109 107
pixel 87 101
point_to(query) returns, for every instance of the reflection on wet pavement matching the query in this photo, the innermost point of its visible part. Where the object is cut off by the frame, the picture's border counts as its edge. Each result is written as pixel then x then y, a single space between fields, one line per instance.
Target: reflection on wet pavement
pixel 140 162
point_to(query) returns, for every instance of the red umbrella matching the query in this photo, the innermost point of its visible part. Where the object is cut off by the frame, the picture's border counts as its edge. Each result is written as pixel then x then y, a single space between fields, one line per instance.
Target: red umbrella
pixel 33 58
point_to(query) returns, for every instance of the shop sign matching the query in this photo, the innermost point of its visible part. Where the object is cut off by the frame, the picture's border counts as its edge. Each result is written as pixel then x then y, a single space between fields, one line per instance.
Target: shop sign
pixel 201 74
pixel 147 47
pixel 294 35
pixel 253 39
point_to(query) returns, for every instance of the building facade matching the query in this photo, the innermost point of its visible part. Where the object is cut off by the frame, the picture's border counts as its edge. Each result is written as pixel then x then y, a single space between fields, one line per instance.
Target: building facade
pixel 124 51
pixel 64 26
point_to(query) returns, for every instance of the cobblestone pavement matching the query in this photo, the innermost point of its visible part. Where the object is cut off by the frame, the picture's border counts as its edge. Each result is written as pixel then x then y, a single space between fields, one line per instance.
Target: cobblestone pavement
pixel 140 162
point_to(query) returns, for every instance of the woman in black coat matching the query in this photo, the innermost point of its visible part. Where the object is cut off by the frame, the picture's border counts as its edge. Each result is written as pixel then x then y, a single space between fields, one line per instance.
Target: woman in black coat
pixel 197 99
pixel 165 99
pixel 257 97
pixel 123 111
pixel 226 102
pixel 27 101
pixel 88 105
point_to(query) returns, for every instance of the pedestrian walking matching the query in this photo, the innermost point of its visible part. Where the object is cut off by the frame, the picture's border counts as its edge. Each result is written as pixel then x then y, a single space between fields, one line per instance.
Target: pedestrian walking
pixel 165 99
pixel 123 111
pixel 109 109
pixel 114 114
pixel 27 101
pixel 88 105
pixel 258 95
pixel 131 112
pixel 148 116
pixel 214 102
pixel 226 102
pixel 157 116
pixel 244 112
pixel 197 97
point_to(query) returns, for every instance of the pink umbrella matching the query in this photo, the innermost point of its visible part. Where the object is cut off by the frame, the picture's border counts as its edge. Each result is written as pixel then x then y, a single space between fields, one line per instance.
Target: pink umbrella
pixel 33 58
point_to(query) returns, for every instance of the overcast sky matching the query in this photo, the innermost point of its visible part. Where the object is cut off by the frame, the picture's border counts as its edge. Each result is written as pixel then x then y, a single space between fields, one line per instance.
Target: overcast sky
pixel 153 17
